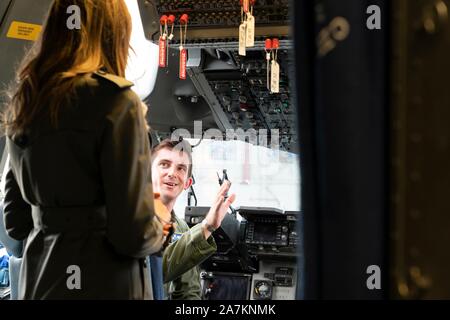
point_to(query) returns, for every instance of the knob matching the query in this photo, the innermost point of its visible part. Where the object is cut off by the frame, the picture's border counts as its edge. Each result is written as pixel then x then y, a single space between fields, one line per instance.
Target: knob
pixel 263 290
pixel 226 100
pixel 194 220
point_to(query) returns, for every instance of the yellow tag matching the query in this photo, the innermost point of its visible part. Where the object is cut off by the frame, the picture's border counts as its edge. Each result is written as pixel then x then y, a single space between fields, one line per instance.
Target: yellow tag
pixel 242 38
pixel 24 31
pixel 275 77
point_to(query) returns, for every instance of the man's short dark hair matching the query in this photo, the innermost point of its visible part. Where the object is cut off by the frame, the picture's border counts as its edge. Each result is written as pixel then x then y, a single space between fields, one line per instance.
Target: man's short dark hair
pixel 180 145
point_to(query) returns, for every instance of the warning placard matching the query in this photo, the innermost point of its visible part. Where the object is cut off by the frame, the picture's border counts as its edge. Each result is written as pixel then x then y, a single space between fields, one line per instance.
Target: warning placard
pixel 24 31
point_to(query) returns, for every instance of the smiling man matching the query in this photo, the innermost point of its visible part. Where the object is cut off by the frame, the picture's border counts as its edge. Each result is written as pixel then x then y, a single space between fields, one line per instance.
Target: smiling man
pixel 171 174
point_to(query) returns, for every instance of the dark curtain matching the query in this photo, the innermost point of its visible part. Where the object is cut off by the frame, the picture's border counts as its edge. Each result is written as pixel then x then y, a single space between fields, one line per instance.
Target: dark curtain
pixel 342 108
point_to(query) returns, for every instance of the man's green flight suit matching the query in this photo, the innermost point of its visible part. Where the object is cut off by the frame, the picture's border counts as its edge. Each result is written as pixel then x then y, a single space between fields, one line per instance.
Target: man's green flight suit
pixel 186 251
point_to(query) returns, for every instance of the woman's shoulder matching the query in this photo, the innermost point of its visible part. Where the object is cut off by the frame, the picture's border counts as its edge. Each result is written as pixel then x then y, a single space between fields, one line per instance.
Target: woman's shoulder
pixel 102 81
pixel 101 88
pixel 116 81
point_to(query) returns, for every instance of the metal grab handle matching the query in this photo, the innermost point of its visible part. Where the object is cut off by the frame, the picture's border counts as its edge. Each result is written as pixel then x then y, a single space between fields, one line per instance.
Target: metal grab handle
pixel 435 17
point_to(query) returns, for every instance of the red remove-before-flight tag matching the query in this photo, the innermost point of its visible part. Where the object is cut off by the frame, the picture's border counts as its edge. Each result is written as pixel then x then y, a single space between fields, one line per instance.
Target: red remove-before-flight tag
pixel 183 60
pixel 162 52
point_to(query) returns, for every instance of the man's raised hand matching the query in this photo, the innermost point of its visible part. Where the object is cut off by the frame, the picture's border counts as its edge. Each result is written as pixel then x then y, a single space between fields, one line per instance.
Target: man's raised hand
pixel 221 205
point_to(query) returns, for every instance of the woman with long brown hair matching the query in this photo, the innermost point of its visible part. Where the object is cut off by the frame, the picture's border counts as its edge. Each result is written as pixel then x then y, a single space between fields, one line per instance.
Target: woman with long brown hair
pixel 78 191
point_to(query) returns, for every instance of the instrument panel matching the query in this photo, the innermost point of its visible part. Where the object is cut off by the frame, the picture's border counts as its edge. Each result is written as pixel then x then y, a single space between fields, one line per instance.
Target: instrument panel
pixel 213 23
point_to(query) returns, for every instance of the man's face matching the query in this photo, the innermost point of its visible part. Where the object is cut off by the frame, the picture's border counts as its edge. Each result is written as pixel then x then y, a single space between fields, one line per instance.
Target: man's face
pixel 170 174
